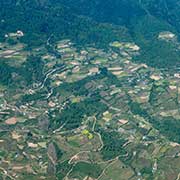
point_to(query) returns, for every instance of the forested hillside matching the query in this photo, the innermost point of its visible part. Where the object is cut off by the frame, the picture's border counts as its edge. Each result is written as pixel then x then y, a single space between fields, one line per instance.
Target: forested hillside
pixel 38 19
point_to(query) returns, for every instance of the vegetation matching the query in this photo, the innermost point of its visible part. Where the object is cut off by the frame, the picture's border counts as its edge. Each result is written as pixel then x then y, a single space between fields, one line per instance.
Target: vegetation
pixel 84 169
pixel 112 145
pixel 5 73
pixel 33 69
pixel 169 127
pixel 72 117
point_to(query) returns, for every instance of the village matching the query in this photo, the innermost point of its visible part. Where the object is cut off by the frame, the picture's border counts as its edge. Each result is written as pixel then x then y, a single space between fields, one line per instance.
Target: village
pixel 39 136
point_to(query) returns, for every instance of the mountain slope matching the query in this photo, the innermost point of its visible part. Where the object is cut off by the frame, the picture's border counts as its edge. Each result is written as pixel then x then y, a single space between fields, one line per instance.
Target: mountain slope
pixel 40 20
pixel 98 23
pixel 144 21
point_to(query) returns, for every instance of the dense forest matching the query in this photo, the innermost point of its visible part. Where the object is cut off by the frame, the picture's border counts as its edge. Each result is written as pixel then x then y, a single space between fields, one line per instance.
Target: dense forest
pixel 44 20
